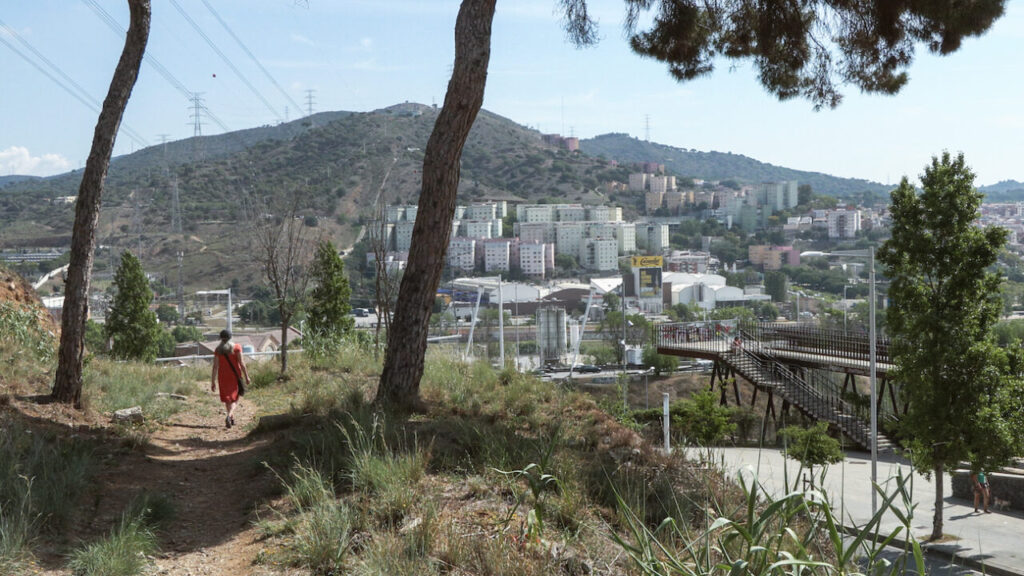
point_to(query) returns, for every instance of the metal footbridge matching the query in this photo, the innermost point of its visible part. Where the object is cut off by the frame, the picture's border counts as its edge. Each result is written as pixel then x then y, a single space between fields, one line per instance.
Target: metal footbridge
pixel 793 362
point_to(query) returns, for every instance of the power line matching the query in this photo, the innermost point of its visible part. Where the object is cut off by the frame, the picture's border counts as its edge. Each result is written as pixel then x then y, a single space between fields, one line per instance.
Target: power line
pixel 250 54
pixel 224 57
pixel 78 92
pixel 118 30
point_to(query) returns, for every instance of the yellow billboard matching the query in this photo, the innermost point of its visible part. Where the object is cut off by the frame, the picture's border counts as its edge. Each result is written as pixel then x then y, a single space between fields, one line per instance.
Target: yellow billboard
pixel 646 261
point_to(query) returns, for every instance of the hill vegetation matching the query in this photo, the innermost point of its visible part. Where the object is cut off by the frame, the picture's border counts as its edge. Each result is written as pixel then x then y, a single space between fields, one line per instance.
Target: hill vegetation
pixel 720 165
pixel 335 165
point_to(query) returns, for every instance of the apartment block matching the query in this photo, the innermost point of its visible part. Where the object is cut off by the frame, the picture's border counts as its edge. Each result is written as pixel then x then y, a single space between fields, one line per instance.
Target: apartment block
pixel 536 259
pixel 661 184
pixel 652 238
pixel 403 235
pixel 600 255
pixel 653 201
pixel 462 254
pixel 535 232
pixel 497 255
pixel 777 196
pixel 604 213
pixel 568 238
pixel 687 261
pixel 773 257
pixel 843 223
pixel 638 182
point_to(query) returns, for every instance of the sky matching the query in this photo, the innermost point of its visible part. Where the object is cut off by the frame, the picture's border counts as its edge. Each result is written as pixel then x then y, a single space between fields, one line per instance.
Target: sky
pixel 362 55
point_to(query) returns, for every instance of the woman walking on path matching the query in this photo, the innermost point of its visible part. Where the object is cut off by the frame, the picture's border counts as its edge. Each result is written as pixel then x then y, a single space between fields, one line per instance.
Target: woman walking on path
pixel 981 489
pixel 228 369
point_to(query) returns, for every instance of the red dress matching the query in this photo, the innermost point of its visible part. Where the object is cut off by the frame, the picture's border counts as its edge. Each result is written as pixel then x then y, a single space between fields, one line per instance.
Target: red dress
pixel 226 380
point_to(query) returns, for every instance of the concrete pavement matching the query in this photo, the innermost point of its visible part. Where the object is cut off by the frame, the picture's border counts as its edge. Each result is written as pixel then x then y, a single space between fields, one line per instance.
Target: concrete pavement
pixel 989 543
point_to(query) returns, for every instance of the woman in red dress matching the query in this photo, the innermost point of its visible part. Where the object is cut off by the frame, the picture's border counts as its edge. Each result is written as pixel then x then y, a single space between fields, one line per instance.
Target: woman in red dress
pixel 228 370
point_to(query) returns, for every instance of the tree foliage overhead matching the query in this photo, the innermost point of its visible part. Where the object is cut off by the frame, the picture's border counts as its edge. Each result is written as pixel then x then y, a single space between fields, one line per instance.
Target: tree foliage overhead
pixel 131 326
pixel 945 303
pixel 811 48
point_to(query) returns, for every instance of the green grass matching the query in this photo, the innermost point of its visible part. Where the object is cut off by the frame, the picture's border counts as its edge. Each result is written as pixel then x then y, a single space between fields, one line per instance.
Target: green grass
pixel 122 553
pixel 321 537
pixel 109 386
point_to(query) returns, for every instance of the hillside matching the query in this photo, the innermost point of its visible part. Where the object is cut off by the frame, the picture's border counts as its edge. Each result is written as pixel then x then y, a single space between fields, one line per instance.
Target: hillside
pixel 333 165
pixel 1005 191
pixel 719 165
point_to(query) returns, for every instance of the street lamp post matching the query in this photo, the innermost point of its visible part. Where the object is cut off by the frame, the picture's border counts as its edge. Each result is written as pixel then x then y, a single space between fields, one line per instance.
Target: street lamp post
pixel 846 306
pixel 873 368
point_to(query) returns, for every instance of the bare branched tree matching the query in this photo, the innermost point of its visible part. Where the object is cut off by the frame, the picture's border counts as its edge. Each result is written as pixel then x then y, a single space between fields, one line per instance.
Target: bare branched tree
pixel 283 247
pixel 386 278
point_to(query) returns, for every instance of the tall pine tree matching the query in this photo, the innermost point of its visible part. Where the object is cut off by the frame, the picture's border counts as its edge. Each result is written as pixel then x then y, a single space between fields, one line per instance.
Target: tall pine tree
pixel 131 325
pixel 328 311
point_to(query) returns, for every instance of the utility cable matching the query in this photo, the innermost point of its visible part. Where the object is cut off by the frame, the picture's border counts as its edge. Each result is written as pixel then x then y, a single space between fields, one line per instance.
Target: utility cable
pixel 80 95
pixel 250 54
pixel 226 60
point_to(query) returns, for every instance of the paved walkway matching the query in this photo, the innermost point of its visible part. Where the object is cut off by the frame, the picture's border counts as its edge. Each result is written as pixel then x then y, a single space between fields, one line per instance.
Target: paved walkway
pixel 990 543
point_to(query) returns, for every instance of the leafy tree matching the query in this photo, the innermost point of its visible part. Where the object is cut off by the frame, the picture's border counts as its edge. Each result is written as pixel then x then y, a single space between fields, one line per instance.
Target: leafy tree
pixel 566 262
pixel 812 446
pixel 805 49
pixel 775 285
pixel 131 325
pixel 945 302
pixel 186 334
pixel 704 421
pixel 611 301
pixel 165 342
pixel 95 338
pixel 328 312
pixel 166 314
pixel 661 363
pixel 67 383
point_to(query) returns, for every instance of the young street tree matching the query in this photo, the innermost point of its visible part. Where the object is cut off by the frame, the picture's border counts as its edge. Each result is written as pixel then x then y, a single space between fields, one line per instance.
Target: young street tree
pixel 945 301
pixel 807 49
pixel 282 247
pixel 67 383
pixel 130 324
pixel 327 314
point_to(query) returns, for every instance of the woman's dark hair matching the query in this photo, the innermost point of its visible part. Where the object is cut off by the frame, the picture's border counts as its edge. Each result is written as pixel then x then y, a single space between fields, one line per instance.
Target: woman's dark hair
pixel 225 334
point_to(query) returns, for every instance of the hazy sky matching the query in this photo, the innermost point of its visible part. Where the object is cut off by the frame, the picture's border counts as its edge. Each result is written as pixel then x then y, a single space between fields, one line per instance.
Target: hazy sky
pixel 365 54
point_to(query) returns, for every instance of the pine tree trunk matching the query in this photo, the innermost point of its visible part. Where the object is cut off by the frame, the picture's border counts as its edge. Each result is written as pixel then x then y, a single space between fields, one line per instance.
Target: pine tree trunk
pixel 407 339
pixel 939 499
pixel 67 385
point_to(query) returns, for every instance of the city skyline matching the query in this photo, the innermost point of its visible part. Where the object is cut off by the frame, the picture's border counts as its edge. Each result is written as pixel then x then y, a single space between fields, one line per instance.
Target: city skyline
pixel 363 55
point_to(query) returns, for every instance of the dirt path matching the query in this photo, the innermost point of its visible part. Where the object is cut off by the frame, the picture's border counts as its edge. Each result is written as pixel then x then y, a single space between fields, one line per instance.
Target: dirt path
pixel 215 478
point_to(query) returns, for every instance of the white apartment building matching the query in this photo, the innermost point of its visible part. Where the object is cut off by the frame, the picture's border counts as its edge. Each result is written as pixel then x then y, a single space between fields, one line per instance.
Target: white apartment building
pixel 779 195
pixel 536 259
pixel 568 238
pixel 600 255
pixel 462 254
pixel 653 201
pixel 843 223
pixel 638 182
pixel 479 229
pixel 661 184
pixel 497 255
pixel 403 235
pixel 604 213
pixel 535 213
pixel 535 232
pixel 480 212
pixel 652 237
pixel 570 213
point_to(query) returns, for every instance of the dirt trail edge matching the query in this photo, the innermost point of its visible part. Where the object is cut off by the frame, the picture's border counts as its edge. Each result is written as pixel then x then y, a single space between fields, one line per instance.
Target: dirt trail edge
pixel 218 485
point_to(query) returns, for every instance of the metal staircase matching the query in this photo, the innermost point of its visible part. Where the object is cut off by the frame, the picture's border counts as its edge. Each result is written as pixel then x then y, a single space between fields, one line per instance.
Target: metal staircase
pixel 818 400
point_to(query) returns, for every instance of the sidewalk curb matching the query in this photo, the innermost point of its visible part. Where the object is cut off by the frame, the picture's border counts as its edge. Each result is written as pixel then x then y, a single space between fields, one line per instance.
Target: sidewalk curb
pixel 939 551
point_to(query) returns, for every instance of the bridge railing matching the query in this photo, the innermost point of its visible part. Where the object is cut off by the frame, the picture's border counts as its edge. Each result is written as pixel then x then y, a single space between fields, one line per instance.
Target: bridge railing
pixel 803 337
pixel 682 333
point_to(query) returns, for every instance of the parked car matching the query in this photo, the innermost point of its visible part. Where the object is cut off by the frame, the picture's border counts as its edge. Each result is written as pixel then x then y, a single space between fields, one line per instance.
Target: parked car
pixel 588 369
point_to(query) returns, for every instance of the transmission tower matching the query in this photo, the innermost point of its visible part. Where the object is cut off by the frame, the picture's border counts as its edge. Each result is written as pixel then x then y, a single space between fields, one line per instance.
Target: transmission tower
pixel 309 102
pixel 175 209
pixel 198 108
pixel 137 222
pixel 181 290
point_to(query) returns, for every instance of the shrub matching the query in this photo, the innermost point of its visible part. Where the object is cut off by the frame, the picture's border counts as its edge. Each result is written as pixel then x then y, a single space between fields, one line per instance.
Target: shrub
pixel 122 553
